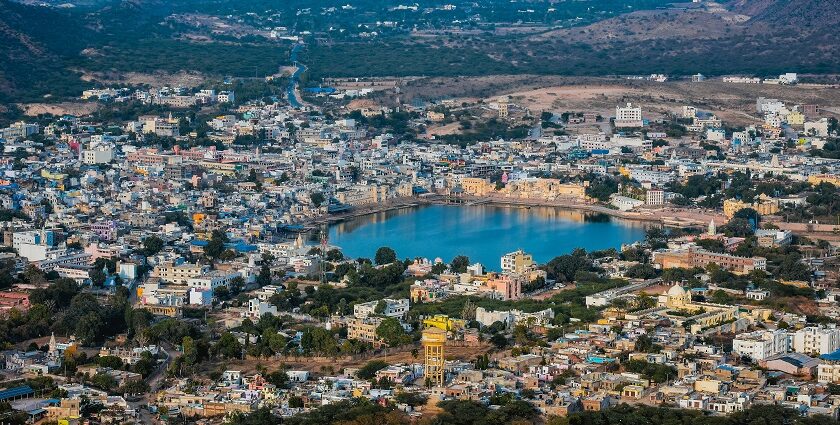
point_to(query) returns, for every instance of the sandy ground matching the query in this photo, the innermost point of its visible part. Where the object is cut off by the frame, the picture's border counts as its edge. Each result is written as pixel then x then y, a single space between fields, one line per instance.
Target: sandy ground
pixel 157 79
pixel 734 103
pixel 64 108
pixel 304 363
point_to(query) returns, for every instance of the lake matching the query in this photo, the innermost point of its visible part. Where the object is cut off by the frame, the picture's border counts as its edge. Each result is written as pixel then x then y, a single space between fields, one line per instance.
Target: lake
pixel 482 232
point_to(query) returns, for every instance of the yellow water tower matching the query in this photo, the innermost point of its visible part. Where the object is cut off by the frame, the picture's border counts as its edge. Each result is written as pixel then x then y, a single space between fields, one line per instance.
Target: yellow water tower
pixel 503 103
pixel 433 341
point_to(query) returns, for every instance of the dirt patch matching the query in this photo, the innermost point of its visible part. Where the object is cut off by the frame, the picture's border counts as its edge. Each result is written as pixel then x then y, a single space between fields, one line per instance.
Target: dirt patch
pixel 156 79
pixel 65 108
pixel 339 364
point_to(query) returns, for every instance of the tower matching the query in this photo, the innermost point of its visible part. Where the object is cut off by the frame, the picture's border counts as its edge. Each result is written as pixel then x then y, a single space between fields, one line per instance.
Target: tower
pixel 503 107
pixel 323 264
pixel 712 228
pixel 433 341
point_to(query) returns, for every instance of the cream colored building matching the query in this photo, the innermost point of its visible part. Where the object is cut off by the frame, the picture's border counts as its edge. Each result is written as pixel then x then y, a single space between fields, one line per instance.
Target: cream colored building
pixel 180 274
pixel 765 205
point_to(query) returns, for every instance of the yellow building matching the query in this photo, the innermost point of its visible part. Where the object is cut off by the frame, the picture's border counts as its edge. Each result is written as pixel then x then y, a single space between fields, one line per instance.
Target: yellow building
pixel 764 205
pixel 443 322
pixel 476 186
pixel 796 118
pixel 674 303
pixel 518 261
pixel 824 178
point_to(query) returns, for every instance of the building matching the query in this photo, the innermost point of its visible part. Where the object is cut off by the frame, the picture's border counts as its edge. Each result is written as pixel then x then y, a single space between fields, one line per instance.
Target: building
pixel 364 329
pixel 503 106
pixel 655 197
pixel 258 308
pixel 99 154
pixel 180 274
pixel 772 238
pixel 764 205
pixel 505 287
pixel 34 245
pixel 760 345
pixel 518 262
pixel 697 257
pixel 628 116
pixel 434 340
pixel 396 308
pixel 816 340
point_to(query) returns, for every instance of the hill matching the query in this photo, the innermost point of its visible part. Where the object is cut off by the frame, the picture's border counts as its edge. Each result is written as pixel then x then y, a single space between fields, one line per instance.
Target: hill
pixel 35 42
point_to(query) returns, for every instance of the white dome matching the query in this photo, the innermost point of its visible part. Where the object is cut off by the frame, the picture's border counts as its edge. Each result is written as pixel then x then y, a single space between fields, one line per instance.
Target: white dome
pixel 676 291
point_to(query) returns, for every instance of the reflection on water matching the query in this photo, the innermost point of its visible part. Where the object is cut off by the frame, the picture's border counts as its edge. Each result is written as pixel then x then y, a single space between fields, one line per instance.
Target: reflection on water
pixel 482 232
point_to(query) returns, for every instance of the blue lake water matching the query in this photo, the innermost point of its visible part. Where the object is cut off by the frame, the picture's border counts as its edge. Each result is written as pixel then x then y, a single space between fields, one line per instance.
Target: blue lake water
pixel 482 232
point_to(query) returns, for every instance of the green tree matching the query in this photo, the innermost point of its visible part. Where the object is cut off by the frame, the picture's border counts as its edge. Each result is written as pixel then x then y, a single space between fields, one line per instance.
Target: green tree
pixel 228 346
pixel 391 331
pixel 460 263
pixel 385 255
pixel 216 246
pixel 368 371
pixel 152 245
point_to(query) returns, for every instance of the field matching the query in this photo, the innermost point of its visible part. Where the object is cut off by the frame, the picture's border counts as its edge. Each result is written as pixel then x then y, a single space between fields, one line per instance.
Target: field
pixel 338 364
pixel 734 103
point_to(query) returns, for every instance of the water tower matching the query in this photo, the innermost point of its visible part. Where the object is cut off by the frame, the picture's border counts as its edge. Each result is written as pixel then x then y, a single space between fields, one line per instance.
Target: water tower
pixel 433 341
pixel 503 106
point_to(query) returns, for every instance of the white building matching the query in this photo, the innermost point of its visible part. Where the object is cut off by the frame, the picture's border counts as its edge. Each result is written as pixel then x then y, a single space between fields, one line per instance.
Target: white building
pixel 828 372
pixel 34 245
pixel 760 345
pixel 213 279
pixel 396 308
pixel 628 116
pixel 99 154
pixel 257 308
pixel 655 197
pixel 816 339
pixel 624 203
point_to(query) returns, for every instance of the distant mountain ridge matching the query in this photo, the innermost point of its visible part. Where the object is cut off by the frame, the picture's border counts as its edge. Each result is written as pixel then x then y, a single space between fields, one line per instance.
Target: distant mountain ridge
pixel 804 15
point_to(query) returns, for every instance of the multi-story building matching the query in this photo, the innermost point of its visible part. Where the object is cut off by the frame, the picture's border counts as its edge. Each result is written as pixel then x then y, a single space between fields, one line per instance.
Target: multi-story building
pixel 180 274
pixel 697 257
pixel 518 262
pixel 628 116
pixel 363 329
pixel 34 245
pixel 760 345
pixel 396 308
pixel 764 205
pixel 816 340
pixel 655 197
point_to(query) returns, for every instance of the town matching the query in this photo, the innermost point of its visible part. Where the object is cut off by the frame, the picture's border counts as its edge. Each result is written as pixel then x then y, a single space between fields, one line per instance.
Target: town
pixel 170 260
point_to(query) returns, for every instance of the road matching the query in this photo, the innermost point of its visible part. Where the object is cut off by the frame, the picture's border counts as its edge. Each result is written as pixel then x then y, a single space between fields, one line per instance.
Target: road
pixel 141 405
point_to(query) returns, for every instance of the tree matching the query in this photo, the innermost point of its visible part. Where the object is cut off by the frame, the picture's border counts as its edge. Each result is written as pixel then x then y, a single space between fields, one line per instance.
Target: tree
pixel 334 255
pixel 385 255
pixel 190 351
pixel 278 378
pixel 370 368
pixel 738 227
pixel 90 328
pixel 317 198
pixel 459 264
pixel 228 346
pixel 216 246
pixel 103 381
pixel 152 245
pixel 391 331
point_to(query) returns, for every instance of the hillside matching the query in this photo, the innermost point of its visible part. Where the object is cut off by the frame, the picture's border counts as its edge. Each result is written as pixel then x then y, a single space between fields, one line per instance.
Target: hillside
pixel 35 43
pixel 808 16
